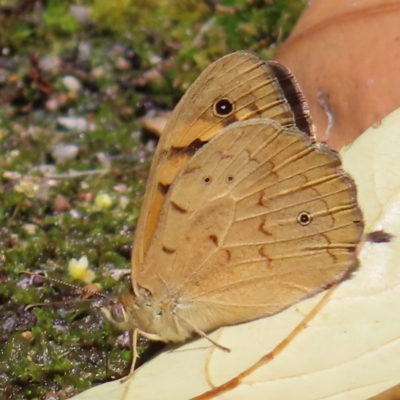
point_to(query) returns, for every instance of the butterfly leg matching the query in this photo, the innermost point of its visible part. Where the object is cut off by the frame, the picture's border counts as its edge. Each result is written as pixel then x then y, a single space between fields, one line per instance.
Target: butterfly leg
pixel 133 338
pixel 135 355
pixel 202 334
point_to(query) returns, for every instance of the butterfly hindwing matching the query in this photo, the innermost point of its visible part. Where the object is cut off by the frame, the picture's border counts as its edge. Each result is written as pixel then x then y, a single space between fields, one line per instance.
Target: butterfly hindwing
pixel 258 219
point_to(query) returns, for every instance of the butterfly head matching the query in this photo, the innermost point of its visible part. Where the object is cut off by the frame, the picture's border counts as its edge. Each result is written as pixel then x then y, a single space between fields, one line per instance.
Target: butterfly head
pixel 154 318
pixel 125 310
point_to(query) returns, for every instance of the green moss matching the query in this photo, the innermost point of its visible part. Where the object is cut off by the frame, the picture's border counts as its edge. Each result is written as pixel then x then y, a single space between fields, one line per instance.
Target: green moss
pixel 57 19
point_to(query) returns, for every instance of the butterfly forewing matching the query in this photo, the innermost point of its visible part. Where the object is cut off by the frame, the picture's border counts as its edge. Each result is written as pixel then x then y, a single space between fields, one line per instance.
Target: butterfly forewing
pixel 252 87
pixel 260 218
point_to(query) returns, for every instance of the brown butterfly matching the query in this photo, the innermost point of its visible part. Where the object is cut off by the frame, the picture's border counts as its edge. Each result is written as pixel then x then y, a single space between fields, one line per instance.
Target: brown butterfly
pixel 244 213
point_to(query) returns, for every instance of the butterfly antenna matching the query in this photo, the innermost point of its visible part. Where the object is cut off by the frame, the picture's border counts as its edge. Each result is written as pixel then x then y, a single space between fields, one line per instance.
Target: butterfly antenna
pixel 66 284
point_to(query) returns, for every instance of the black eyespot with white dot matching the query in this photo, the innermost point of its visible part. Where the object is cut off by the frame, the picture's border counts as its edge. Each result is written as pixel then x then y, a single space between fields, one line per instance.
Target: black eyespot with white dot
pixel 207 180
pixel 304 218
pixel 223 107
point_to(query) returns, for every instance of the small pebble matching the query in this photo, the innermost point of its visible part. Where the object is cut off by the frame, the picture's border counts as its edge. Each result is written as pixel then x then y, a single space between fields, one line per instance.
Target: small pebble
pixel 61 204
pixel 74 123
pixel 122 64
pixel 72 83
pixel 28 335
pixel 64 152
pixel 81 13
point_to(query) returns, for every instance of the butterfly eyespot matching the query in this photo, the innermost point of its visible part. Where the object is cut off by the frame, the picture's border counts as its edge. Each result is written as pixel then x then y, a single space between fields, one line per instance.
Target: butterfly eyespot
pixel 230 179
pixel 304 218
pixel 117 312
pixel 207 180
pixel 223 107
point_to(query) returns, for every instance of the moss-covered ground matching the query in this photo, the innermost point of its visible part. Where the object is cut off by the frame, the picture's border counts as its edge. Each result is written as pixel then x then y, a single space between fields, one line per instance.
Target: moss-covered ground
pixel 75 78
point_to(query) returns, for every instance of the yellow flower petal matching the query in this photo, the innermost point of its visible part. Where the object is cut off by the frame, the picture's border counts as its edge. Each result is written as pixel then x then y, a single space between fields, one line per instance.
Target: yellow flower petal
pixel 103 200
pixel 79 270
